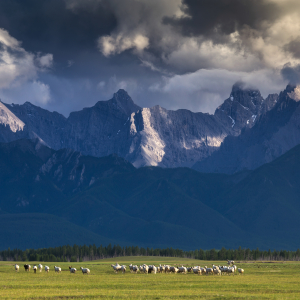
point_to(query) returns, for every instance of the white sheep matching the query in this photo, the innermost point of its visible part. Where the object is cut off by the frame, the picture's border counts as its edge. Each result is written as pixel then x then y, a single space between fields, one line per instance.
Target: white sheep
pixel 85 270
pixel 72 270
pixel 57 269
pixel 17 268
pixel 34 268
pixel 197 270
pixel 116 267
pixel 47 269
pixel 135 269
pixel 241 271
pixel 230 270
pixel 145 269
pixel 123 269
pixel 154 269
pixel 40 267
pixel 209 271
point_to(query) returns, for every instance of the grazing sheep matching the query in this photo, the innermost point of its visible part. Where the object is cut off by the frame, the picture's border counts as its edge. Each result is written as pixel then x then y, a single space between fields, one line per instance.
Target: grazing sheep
pixel 154 269
pixel 189 269
pixel 27 268
pixel 135 269
pixel 241 271
pixel 173 269
pixel 40 267
pixel 17 268
pixel 72 270
pixel 230 270
pixel 167 269
pixel 182 269
pixel 209 271
pixel 217 271
pixel 197 270
pixel 116 267
pixel 235 267
pixel 145 269
pixel 131 268
pixel 57 269
pixel 123 269
pixel 34 268
pixel 47 269
pixel 85 270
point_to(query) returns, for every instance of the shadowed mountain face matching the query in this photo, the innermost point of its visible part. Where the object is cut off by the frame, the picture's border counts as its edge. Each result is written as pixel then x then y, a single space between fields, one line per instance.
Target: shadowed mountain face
pixel 144 136
pixel 109 199
pixel 274 133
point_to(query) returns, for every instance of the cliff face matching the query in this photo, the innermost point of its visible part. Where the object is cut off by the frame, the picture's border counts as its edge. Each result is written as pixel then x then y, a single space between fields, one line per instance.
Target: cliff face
pixel 274 133
pixel 144 136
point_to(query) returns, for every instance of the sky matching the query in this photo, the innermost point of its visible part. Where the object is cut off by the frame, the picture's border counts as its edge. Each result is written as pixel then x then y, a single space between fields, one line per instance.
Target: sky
pixel 64 55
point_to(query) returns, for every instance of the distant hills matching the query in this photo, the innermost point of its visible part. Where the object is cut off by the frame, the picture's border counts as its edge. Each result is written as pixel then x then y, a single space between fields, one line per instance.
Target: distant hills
pixel 108 199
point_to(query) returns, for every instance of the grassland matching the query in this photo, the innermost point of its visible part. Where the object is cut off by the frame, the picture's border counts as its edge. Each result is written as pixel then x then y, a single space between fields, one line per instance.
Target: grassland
pixel 261 281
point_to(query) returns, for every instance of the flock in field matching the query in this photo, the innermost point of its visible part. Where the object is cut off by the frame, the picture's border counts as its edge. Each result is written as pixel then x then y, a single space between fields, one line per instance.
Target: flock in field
pixel 231 268
pixel 47 269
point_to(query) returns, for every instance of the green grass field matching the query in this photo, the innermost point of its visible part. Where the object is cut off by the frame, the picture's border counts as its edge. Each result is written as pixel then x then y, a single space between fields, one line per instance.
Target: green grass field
pixel 261 280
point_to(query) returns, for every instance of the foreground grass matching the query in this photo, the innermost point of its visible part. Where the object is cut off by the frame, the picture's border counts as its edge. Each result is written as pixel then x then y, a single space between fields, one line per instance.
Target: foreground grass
pixel 260 281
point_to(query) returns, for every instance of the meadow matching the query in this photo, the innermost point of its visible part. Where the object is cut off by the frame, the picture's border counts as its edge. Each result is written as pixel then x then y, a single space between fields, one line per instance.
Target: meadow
pixel 262 280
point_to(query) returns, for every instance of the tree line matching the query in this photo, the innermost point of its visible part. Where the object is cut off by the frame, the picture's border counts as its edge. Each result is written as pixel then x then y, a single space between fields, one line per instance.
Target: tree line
pixel 78 253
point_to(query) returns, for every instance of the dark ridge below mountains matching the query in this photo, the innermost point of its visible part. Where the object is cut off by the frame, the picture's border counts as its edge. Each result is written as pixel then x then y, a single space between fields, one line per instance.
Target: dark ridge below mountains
pixel 108 199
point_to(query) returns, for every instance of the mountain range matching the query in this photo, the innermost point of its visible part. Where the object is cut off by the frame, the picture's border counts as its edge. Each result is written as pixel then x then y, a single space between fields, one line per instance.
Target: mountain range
pixel 118 173
pixel 144 136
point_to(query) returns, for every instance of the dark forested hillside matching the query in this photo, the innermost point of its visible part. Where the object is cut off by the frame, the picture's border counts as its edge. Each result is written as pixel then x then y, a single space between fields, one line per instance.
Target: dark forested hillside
pixel 108 199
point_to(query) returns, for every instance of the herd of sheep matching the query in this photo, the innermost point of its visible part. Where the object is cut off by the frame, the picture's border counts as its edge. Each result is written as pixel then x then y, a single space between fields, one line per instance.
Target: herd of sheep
pixel 231 268
pixel 214 270
pixel 47 269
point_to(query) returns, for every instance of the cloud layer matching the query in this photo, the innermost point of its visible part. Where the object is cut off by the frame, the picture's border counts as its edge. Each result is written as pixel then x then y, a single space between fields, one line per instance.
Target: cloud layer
pixel 175 53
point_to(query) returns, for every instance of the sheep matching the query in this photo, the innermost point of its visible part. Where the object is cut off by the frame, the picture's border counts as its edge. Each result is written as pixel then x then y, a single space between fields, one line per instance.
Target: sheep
pixel 197 270
pixel 72 270
pixel 34 268
pixel 135 269
pixel 131 268
pixel 40 267
pixel 17 268
pixel 167 269
pixel 57 269
pixel 154 269
pixel 189 269
pixel 182 269
pixel 230 262
pixel 141 268
pixel 145 269
pixel 123 269
pixel 217 271
pixel 241 271
pixel 173 269
pixel 47 269
pixel 85 270
pixel 224 269
pixel 209 271
pixel 235 267
pixel 27 267
pixel 230 270
pixel 116 267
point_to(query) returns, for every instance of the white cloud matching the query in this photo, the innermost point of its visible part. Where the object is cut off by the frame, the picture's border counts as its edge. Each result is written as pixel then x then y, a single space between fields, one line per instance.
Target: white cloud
pixel 19 71
pixel 109 45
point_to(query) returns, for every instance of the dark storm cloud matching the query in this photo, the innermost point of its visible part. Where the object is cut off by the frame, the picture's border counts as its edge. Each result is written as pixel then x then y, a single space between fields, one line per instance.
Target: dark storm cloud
pixel 291 73
pixel 294 47
pixel 48 26
pixel 206 17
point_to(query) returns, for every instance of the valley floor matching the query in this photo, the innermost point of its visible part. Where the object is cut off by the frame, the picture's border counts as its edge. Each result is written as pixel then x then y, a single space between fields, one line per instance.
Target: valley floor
pixel 262 280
